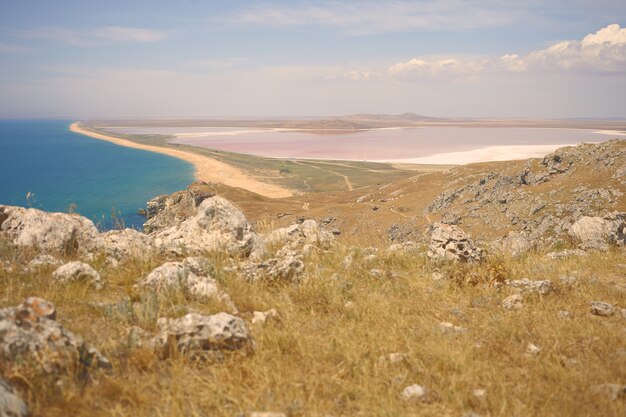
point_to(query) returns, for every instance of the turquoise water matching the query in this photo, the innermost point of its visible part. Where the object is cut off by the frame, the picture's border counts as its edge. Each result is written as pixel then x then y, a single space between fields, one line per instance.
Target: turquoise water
pixel 66 171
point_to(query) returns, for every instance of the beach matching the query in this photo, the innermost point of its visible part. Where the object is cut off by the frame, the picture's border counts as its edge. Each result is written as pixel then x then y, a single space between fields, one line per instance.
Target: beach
pixel 207 169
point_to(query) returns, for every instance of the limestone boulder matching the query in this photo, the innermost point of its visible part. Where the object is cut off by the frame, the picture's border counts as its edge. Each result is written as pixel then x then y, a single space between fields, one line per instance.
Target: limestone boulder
pixel 78 272
pixel 217 226
pixel 127 243
pixel 196 333
pixel 450 243
pixel 599 232
pixel 49 232
pixel 31 335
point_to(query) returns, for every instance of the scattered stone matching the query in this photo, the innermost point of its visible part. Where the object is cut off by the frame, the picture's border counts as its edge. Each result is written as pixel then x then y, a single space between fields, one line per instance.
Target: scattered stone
pixel 42 261
pixel 566 253
pixel 49 232
pixel 533 349
pixel 480 393
pixel 286 267
pixel 542 287
pixel 11 405
pixel 194 333
pixel 610 392
pixel 600 308
pixel 217 226
pixel 564 314
pixel 127 243
pixel 471 414
pixel 449 242
pixel 30 334
pixel 349 305
pixel 77 271
pixel 260 317
pixel 568 280
pixel 448 327
pixel 513 302
pixel 267 414
pixel 192 276
pixel 414 392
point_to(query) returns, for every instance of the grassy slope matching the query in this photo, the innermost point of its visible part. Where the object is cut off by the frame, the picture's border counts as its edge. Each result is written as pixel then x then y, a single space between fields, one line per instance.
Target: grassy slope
pixel 322 357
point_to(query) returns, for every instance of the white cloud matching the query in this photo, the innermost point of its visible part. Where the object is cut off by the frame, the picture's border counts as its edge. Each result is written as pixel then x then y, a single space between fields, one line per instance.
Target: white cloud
pixel 603 52
pixel 369 17
pixel 95 36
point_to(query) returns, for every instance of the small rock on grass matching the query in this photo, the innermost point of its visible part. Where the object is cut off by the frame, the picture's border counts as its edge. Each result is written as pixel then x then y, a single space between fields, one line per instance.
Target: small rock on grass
pixel 414 392
pixel 260 317
pixel 600 308
pixel 513 302
pixel 78 271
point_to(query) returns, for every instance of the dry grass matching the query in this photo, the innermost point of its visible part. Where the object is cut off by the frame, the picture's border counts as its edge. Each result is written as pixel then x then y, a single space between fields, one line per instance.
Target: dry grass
pixel 322 356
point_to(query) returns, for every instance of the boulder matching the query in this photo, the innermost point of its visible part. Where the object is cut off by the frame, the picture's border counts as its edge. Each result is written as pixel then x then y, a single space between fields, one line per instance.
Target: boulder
pixel 286 267
pixel 11 405
pixel 196 333
pixel 449 242
pixel 599 232
pixel 127 243
pixel 78 272
pixel 31 335
pixel 191 276
pixel 515 244
pixel 298 235
pixel 217 226
pixel 542 287
pixel 171 210
pixel 49 232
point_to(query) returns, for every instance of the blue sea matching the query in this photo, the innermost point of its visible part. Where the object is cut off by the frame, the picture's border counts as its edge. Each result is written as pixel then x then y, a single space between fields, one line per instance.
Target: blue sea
pixel 65 171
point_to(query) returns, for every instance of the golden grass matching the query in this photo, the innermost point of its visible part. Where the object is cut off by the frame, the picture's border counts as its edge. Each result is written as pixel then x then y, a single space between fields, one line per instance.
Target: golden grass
pixel 322 356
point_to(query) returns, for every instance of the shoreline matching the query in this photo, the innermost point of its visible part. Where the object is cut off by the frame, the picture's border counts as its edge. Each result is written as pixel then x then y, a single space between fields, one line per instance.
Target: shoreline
pixel 207 169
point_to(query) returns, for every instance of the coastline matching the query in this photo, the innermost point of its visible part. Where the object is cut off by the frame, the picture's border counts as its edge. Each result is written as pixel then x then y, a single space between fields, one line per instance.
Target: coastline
pixel 207 169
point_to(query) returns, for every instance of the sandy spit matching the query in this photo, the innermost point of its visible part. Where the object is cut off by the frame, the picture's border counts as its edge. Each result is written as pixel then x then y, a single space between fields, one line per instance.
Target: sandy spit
pixel 207 169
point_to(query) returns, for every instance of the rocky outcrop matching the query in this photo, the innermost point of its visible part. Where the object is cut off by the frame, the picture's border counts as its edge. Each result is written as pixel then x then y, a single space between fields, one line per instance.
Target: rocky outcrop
pixel 127 243
pixel 172 209
pixel 195 333
pixel 450 243
pixel 599 232
pixel 217 226
pixel 49 232
pixel 11 405
pixel 31 335
pixel 78 272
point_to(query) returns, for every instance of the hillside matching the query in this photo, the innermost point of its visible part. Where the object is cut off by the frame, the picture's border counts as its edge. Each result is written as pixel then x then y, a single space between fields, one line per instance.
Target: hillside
pixel 491 289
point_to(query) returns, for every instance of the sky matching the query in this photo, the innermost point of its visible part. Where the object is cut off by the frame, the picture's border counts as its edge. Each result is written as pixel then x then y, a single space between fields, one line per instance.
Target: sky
pixel 200 58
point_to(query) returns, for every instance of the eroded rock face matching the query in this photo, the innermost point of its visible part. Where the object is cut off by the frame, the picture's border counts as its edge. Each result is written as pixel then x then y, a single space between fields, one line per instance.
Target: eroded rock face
pixel 196 333
pixel 449 242
pixel 11 405
pixel 218 225
pixel 599 232
pixel 127 243
pixel 78 272
pixel 30 334
pixel 172 209
pixel 49 232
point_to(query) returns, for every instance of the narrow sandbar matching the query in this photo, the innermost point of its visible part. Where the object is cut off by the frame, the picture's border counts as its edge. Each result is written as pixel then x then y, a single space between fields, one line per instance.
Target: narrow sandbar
pixel 207 169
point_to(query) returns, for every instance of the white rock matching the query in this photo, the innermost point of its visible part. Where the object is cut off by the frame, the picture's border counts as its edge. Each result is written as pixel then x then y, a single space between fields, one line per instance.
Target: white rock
pixel 449 242
pixel 267 414
pixel 127 243
pixel 414 392
pixel 11 405
pixel 600 308
pixel 513 302
pixel 448 327
pixel 542 287
pixel 260 317
pixel 49 232
pixel 479 393
pixel 78 271
pixel 533 349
